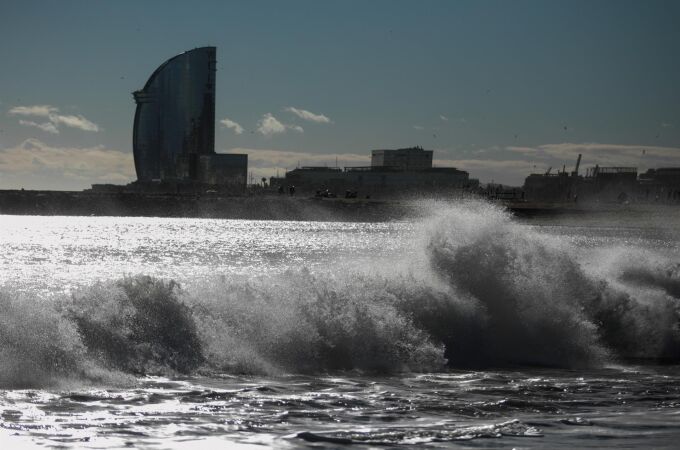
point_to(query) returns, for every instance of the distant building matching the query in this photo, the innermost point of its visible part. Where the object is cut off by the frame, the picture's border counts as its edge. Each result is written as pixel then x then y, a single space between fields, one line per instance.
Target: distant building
pixel 611 183
pixel 411 158
pixel 391 173
pixel 605 184
pixel 174 125
pixel 660 185
pixel 551 187
pixel 314 178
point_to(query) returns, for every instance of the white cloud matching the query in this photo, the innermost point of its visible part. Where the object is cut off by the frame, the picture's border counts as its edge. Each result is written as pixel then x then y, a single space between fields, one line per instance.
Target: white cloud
pixel 36 165
pixel 269 125
pixel 35 110
pixel 55 119
pixel 45 126
pixel 238 129
pixel 308 115
pixel 78 122
pixel 666 125
pixel 418 127
pixel 444 118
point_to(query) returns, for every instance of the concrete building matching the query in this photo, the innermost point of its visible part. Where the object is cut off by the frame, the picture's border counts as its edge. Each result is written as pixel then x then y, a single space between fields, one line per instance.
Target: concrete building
pixel 660 185
pixel 608 184
pixel 174 126
pixel 411 158
pixel 391 173
pixel 611 183
pixel 605 184
pixel 551 187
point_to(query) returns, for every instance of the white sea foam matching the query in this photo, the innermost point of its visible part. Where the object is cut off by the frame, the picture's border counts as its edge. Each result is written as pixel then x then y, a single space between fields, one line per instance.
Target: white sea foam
pixel 473 288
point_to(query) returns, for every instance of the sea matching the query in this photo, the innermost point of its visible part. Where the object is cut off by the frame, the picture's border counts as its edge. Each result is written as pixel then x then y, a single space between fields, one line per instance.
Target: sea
pixel 462 328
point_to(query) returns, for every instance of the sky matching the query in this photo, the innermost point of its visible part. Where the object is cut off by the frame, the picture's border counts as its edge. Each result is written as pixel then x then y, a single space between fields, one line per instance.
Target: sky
pixel 498 88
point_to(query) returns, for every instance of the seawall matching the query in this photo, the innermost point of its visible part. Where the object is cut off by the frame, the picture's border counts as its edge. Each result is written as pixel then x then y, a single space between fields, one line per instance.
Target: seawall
pixel 282 207
pixel 65 203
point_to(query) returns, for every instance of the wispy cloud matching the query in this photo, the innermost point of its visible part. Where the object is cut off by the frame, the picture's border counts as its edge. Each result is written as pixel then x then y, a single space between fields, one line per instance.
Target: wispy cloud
pixel 269 125
pixel 511 165
pixel 35 110
pixel 78 122
pixel 55 119
pixel 308 115
pixel 507 165
pixel 36 165
pixel 418 127
pixel 443 118
pixel 45 126
pixel 603 154
pixel 228 123
pixel 666 125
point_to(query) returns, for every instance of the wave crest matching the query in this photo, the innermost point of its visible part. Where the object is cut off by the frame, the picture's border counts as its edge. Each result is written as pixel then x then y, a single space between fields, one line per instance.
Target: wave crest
pixel 482 290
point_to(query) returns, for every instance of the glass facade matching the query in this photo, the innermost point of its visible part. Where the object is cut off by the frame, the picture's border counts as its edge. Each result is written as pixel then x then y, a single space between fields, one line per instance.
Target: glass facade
pixel 175 117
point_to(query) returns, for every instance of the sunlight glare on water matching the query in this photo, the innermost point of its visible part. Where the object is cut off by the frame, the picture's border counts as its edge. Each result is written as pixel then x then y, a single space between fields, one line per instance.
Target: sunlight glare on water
pixel 64 252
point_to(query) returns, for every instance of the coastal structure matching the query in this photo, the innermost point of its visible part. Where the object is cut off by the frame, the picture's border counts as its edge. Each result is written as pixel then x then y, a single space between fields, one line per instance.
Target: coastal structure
pixel 610 183
pixel 604 184
pixel 553 187
pixel 174 126
pixel 391 173
pixel 660 185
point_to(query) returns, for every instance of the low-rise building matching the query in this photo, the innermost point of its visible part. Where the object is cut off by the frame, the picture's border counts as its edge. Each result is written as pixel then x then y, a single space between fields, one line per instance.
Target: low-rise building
pixel 660 185
pixel 410 158
pixel 391 173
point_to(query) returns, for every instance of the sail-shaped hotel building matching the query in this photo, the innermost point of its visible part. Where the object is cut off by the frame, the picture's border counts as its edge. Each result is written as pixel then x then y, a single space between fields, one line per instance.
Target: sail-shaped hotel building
pixel 174 125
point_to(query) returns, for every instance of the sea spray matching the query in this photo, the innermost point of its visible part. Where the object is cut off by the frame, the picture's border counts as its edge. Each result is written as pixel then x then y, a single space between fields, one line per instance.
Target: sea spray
pixel 543 306
pixel 137 325
pixel 527 288
pixel 37 345
pixel 304 322
pixel 475 289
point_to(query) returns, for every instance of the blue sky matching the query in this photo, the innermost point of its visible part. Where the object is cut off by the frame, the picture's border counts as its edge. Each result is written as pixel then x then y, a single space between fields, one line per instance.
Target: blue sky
pixel 494 87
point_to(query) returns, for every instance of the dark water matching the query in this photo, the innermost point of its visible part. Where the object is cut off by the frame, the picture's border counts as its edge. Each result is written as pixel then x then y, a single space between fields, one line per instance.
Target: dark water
pixel 463 329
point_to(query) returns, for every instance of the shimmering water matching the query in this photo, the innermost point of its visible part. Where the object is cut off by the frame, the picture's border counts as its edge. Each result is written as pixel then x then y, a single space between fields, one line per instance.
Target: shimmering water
pixel 464 329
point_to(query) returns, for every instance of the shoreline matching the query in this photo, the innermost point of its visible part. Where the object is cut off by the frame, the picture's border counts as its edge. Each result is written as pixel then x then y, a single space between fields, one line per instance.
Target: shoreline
pixel 215 206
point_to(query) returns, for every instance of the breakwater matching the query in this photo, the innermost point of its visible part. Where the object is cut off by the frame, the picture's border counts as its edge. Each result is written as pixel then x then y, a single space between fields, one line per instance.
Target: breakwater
pixel 281 207
pixel 71 203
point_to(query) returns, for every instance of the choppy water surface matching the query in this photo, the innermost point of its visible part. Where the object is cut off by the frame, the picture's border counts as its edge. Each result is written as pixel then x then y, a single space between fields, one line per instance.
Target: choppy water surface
pixel 463 329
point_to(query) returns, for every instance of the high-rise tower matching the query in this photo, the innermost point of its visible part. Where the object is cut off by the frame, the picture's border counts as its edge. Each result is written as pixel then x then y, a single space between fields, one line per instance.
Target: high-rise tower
pixel 175 117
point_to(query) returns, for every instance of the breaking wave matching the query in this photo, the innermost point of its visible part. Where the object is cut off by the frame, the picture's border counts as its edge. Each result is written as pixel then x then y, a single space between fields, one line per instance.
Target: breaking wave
pixel 479 290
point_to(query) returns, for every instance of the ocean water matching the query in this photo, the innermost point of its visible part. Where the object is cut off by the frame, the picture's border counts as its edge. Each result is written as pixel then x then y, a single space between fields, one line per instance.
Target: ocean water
pixel 464 328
